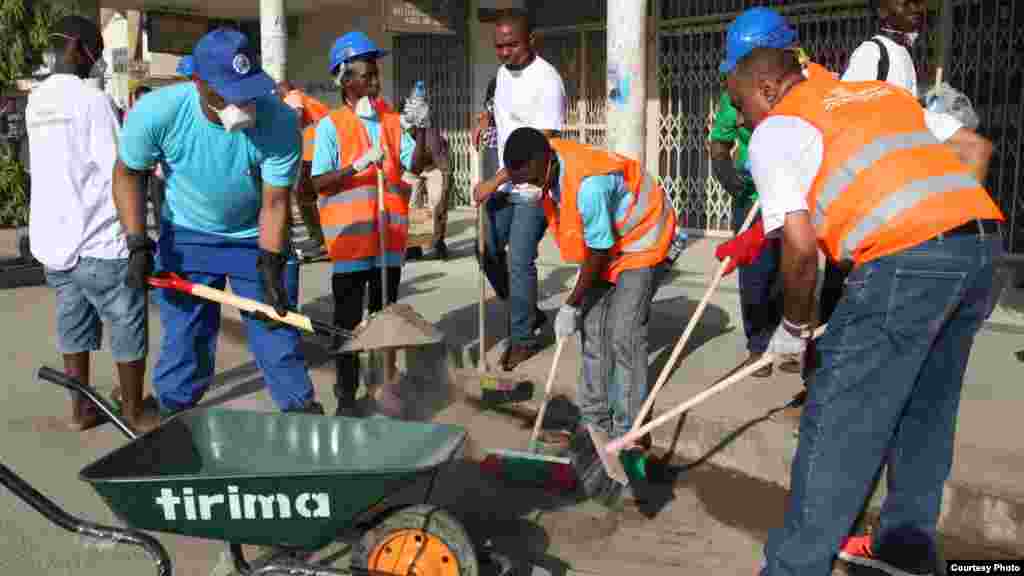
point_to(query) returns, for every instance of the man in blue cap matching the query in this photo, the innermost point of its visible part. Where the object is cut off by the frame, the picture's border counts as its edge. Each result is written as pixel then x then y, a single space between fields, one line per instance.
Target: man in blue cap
pixel 230 151
pixel 759 307
pixel 353 142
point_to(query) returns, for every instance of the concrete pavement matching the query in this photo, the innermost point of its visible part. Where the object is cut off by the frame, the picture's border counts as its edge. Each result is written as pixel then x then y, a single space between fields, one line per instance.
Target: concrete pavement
pixel 712 519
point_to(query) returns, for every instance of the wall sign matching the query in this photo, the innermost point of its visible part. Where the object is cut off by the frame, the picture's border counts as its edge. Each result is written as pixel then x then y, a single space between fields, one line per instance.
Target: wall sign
pixel 418 17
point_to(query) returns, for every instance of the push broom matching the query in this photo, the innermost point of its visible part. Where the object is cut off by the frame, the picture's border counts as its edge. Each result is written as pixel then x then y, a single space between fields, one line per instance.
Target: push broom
pixel 615 446
pixel 636 464
pixel 532 467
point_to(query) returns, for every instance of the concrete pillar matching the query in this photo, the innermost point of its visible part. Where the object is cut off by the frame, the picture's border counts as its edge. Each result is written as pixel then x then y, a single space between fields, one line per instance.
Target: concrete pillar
pixel 627 77
pixel 274 38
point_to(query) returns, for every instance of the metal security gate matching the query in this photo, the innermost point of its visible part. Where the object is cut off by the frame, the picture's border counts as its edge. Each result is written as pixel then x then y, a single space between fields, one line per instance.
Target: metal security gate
pixel 984 60
pixel 691 43
pixel 442 62
pixel 579 54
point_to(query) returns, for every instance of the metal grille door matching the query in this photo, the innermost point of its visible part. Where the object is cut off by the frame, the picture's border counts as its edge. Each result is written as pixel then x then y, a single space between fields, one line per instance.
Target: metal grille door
pixel 691 43
pixel 442 63
pixel 580 55
pixel 985 62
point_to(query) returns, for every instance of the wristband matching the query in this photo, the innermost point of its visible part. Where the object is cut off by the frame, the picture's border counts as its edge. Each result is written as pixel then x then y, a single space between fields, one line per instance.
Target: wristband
pixel 797 330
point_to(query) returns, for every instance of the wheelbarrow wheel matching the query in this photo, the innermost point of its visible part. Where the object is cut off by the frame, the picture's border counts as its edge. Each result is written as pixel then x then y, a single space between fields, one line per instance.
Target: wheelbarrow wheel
pixel 424 540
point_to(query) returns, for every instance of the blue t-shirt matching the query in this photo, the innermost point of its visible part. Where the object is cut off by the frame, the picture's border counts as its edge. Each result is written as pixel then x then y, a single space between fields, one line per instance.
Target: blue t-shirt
pixel 327 158
pixel 213 177
pixel 602 201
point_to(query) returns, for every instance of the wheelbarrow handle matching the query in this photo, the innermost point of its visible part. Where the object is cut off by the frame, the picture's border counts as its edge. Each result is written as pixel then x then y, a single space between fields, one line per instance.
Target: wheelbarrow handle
pixel 63 380
pixel 54 513
pixel 172 281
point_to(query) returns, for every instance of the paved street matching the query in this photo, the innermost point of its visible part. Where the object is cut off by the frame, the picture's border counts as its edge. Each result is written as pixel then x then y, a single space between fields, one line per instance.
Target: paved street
pixel 706 519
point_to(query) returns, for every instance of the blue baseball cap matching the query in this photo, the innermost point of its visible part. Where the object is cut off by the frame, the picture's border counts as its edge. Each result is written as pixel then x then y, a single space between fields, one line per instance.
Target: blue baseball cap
pixel 225 61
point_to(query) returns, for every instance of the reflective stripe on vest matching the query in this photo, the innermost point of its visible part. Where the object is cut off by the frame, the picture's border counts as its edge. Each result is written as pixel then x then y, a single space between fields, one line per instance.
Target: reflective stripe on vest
pixel 643 235
pixel 885 183
pixel 349 216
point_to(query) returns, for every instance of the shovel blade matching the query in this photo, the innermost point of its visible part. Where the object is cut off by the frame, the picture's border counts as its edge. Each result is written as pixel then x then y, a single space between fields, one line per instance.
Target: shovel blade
pixel 397 326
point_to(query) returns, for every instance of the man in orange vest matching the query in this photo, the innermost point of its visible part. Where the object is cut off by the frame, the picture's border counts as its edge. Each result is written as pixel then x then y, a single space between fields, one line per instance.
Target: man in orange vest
pixel 361 137
pixel 611 218
pixel 310 111
pixel 856 168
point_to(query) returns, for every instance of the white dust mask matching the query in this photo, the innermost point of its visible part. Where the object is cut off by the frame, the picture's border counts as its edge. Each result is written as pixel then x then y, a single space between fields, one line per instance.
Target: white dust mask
pixel 364 108
pixel 234 117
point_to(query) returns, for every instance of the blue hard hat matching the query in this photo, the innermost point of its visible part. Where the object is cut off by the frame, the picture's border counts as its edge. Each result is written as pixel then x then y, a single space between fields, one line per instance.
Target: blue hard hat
pixel 351 46
pixel 185 66
pixel 756 28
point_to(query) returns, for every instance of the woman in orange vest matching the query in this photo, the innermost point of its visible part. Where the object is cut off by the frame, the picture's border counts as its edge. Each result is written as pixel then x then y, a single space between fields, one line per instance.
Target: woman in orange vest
pixel 611 218
pixel 856 169
pixel 352 143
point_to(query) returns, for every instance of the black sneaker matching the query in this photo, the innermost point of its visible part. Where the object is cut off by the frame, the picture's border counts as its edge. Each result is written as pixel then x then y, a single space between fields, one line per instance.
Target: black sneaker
pixel 441 250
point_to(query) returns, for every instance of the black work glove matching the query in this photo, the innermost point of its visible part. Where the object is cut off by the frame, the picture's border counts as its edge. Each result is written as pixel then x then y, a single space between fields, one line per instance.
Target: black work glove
pixel 271 270
pixel 140 261
pixel 728 176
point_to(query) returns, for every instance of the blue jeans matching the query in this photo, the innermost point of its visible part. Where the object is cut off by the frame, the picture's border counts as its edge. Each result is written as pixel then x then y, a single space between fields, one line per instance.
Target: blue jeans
pixel 520 227
pixel 613 349
pixel 761 312
pixel 886 391
pixel 184 370
pixel 91 293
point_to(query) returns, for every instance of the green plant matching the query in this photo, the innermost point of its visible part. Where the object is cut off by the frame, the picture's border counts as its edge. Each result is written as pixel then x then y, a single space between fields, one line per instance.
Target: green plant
pixel 13 190
pixel 24 26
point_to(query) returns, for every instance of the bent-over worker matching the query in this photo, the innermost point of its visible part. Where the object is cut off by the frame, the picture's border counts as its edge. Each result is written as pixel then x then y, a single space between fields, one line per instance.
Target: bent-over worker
pixel 867 180
pixel 230 149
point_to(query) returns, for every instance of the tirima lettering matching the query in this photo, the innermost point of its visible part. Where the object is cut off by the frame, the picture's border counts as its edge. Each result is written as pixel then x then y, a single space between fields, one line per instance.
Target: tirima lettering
pixel 242 506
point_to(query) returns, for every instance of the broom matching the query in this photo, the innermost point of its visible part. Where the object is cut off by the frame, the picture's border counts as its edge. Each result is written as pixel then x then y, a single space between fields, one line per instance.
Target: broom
pixel 532 467
pixel 617 445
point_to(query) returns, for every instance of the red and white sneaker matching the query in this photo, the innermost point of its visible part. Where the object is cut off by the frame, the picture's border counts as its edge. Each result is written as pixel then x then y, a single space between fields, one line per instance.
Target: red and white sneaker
pixel 857 550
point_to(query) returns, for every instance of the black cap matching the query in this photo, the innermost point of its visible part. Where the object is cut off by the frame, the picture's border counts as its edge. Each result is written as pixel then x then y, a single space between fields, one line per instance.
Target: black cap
pixel 524 144
pixel 82 29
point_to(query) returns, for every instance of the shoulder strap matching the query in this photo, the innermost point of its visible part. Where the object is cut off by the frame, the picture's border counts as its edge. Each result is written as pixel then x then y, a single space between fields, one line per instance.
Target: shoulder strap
pixel 883 60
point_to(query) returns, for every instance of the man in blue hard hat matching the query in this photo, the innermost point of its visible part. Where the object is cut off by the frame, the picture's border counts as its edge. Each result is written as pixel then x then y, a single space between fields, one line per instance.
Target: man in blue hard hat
pixel 759 307
pixel 230 151
pixel 353 142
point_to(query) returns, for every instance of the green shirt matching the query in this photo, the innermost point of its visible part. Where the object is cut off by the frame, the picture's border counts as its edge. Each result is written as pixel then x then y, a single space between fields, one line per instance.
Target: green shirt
pixel 726 129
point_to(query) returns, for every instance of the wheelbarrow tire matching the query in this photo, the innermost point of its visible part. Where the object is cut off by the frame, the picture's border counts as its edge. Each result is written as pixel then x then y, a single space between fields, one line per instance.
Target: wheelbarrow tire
pixel 440 526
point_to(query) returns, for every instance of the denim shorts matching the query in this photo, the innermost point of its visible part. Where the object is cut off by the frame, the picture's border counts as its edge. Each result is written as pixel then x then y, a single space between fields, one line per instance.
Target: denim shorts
pixel 91 294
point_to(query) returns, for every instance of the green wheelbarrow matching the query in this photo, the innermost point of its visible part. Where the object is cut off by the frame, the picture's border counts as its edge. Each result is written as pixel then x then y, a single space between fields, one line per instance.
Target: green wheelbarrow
pixel 287 481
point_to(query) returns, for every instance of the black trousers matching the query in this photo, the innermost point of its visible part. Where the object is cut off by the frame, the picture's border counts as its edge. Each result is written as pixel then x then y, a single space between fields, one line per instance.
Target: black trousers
pixel 349 289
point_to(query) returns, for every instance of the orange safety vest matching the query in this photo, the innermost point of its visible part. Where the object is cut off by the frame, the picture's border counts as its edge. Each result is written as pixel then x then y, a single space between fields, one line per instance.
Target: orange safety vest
pixel 313 110
pixel 885 183
pixel 643 236
pixel 308 142
pixel 349 215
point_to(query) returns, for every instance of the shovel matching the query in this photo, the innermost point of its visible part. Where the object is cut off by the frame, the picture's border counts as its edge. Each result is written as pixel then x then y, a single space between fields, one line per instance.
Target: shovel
pixel 395 325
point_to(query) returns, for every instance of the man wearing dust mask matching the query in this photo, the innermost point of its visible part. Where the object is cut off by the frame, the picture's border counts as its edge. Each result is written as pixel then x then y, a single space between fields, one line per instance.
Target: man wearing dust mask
pixel 230 151
pixel 361 137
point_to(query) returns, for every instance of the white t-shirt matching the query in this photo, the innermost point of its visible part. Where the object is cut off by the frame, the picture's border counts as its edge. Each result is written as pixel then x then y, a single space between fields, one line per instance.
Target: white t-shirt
pixel 533 97
pixel 72 134
pixel 864 65
pixel 785 155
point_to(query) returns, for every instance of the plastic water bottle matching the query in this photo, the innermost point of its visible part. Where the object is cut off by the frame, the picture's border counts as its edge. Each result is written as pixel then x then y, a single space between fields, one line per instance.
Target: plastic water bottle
pixel 417 99
pixel 678 244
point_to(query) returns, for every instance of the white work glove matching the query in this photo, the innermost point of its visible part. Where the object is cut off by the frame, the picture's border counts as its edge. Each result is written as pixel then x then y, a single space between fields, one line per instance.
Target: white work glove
pixel 567 322
pixel 372 156
pixel 790 340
